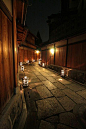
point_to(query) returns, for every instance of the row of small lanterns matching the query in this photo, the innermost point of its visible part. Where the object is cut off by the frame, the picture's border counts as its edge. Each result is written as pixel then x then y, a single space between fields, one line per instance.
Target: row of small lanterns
pixel 25 79
pixel 44 64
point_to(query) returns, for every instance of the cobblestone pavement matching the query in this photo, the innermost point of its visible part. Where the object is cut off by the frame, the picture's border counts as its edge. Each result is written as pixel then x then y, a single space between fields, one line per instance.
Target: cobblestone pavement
pixel 52 102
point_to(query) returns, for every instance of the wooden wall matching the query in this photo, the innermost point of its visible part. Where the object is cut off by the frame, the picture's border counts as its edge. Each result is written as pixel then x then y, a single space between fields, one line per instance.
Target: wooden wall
pixel 60 56
pixel 77 56
pixel 27 54
pixel 69 53
pixel 6 60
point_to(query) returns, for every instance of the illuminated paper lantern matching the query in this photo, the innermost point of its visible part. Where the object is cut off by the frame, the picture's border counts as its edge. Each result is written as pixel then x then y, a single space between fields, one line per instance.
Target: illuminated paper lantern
pixel 22 68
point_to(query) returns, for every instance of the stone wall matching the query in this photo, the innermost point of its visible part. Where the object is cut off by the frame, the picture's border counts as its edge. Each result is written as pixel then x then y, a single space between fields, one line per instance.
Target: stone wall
pixel 14 114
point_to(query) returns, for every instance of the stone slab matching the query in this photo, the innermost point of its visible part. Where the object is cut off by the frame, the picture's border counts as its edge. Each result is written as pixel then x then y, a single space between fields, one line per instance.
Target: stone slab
pixel 53 119
pixel 51 79
pixel 49 85
pixel 67 103
pixel 75 97
pixel 48 107
pixel 82 93
pixel 61 126
pixel 42 78
pixel 34 80
pixel 75 87
pixel 43 92
pixel 46 125
pixel 33 85
pixel 57 93
pixel 69 119
pixel 59 85
pixel 63 81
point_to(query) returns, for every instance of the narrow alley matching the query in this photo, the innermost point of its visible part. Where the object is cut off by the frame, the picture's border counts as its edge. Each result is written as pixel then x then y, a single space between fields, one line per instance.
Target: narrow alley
pixel 52 102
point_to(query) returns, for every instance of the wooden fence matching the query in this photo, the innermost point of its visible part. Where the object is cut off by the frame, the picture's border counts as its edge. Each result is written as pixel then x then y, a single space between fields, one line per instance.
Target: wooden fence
pixel 27 54
pixel 70 53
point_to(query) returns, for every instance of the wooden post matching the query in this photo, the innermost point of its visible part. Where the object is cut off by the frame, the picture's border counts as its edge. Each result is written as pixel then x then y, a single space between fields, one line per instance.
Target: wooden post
pixel 66 53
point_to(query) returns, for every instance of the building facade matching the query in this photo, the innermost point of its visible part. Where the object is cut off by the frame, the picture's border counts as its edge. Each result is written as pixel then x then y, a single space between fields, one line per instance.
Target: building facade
pixel 67 36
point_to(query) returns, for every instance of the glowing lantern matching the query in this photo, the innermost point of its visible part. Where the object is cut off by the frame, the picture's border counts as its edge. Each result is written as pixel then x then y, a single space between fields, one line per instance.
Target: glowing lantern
pixel 27 61
pixel 22 68
pixel 43 64
pixel 62 73
pixel 33 60
pixel 20 63
pixel 25 81
pixel 39 63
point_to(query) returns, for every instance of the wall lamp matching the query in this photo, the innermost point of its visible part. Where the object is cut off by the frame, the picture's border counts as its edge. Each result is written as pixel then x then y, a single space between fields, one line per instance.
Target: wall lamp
pixel 52 51
pixel 37 51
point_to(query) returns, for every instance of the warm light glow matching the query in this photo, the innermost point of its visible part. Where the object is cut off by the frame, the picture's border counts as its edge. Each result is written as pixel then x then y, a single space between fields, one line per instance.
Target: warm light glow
pixel 25 81
pixel 27 61
pixel 52 51
pixel 15 49
pixel 33 60
pixel 25 77
pixel 62 73
pixel 22 68
pixel 43 64
pixel 20 63
pixel 60 79
pixel 39 62
pixel 37 51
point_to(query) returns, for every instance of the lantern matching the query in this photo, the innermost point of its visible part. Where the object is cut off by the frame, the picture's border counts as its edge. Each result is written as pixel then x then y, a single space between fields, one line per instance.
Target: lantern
pixel 25 81
pixel 20 63
pixel 62 73
pixel 27 61
pixel 22 68
pixel 43 64
pixel 39 62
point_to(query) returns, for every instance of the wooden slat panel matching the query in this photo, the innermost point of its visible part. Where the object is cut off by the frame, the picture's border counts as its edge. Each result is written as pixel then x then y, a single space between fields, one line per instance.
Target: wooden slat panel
pixel 10 53
pixel 60 56
pixel 21 55
pixel 25 55
pixel 5 56
pixel 6 59
pixel 77 56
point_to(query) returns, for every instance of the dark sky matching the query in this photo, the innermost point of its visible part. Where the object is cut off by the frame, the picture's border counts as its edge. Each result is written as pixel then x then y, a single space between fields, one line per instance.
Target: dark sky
pixel 37 15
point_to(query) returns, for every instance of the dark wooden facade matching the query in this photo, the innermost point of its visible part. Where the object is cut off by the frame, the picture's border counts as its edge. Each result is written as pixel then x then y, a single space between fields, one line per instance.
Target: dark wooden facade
pixel 70 53
pixel 67 35
pixel 9 48
pixel 27 48
pixel 6 60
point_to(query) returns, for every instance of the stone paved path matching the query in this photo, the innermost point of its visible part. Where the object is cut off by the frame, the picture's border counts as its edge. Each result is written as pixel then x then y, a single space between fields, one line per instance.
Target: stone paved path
pixel 51 99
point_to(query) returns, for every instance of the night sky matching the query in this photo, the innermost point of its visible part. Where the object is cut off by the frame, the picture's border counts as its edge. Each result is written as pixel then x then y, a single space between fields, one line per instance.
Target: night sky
pixel 37 15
